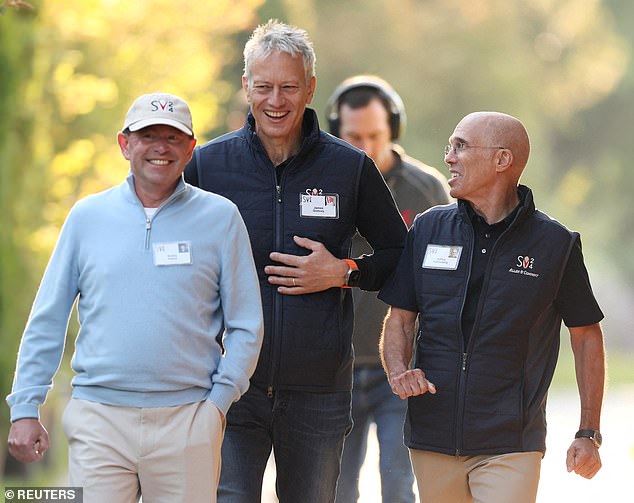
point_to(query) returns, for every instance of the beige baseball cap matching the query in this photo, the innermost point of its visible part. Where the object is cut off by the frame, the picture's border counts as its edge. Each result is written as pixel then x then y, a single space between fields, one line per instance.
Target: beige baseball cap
pixel 159 108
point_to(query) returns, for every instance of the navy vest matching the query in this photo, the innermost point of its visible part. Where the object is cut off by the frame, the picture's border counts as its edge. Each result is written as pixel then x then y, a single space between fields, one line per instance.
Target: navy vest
pixel 491 395
pixel 301 331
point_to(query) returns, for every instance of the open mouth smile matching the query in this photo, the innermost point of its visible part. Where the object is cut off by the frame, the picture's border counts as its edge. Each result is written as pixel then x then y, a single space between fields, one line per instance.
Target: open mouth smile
pixel 275 115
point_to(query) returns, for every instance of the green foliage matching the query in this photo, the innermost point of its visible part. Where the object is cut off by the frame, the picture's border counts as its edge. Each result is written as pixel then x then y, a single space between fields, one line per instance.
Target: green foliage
pixel 16 38
pixel 69 70
pixel 15 4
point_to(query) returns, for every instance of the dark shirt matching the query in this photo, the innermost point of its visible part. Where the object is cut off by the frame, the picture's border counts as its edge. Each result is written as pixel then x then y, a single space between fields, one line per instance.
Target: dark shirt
pixel 485 236
pixel 280 168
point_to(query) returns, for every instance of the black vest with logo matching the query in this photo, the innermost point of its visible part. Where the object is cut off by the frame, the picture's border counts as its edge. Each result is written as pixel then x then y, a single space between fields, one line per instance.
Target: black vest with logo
pixel 491 395
pixel 307 338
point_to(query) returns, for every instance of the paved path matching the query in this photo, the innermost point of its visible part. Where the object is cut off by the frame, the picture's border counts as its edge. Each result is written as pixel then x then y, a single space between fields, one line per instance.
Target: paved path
pixel 613 484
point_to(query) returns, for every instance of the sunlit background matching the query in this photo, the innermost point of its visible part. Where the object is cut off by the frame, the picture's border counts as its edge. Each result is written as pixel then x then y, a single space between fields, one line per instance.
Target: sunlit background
pixel 69 70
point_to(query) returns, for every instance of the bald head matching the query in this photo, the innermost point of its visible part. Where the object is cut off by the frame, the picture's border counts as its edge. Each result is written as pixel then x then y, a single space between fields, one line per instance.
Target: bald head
pixel 496 128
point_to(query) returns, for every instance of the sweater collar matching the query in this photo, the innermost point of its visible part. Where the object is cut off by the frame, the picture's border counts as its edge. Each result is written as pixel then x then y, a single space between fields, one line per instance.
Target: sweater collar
pixel 181 188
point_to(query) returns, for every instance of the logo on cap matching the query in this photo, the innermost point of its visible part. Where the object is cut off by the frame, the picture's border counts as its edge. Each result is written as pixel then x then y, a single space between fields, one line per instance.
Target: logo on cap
pixel 159 108
pixel 162 105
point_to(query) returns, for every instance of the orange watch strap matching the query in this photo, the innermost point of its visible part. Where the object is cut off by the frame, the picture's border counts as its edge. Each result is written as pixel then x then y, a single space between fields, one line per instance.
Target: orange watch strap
pixel 353 267
pixel 351 263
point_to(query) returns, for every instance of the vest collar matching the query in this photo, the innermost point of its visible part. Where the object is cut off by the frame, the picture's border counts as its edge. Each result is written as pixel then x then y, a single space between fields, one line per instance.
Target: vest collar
pixel 310 132
pixel 526 206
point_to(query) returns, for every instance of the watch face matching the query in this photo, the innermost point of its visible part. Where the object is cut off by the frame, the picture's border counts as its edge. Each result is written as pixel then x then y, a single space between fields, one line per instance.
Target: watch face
pixel 353 277
pixel 598 439
pixel 593 435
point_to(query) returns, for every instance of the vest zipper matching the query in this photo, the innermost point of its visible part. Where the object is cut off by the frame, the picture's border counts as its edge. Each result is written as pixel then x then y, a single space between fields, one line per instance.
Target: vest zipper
pixel 148 220
pixel 276 323
pixel 462 377
pixel 278 298
pixel 472 336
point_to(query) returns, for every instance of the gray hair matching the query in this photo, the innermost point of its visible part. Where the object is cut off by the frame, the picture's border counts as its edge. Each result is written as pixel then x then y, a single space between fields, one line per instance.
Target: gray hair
pixel 278 36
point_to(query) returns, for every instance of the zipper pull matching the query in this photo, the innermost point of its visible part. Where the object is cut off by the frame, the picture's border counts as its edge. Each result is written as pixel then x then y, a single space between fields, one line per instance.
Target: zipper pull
pixel 269 391
pixel 464 361
pixel 148 227
pixel 279 193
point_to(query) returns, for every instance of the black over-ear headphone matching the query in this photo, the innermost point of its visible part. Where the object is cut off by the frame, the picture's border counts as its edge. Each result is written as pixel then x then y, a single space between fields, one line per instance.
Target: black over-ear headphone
pixel 397 117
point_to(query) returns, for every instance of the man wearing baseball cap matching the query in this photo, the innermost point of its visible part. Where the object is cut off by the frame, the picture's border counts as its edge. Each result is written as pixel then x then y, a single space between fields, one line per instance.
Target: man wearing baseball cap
pixel 152 385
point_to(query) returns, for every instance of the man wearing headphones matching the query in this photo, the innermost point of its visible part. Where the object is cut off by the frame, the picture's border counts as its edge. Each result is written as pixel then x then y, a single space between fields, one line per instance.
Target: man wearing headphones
pixel 367 112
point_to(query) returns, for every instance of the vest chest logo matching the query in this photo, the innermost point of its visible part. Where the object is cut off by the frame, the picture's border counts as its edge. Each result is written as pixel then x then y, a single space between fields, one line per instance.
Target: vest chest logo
pixel 524 266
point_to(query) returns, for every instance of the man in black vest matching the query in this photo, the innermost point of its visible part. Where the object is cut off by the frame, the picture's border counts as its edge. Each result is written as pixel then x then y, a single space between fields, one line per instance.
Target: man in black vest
pixel 302 194
pixel 490 280
pixel 367 112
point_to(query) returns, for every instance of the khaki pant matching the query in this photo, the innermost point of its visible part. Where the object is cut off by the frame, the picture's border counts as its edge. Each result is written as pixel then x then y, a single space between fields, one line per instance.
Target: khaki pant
pixel 168 454
pixel 501 478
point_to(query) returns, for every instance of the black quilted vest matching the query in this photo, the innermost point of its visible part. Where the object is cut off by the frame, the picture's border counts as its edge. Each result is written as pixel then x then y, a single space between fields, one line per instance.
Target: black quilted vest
pixel 491 395
pixel 306 337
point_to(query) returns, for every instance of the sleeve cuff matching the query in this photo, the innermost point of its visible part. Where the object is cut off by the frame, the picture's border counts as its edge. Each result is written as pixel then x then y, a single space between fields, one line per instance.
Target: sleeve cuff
pixel 25 410
pixel 222 396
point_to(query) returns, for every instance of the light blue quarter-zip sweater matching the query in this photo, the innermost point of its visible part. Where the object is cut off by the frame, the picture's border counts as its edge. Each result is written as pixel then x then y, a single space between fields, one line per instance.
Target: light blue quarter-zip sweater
pixel 148 331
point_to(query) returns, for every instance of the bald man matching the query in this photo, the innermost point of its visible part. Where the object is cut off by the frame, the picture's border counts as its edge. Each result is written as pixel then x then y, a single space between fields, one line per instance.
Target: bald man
pixel 490 280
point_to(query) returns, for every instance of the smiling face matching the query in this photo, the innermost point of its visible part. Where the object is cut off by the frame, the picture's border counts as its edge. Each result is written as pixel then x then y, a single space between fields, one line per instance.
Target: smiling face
pixel 158 155
pixel 472 168
pixel 278 93
pixel 494 153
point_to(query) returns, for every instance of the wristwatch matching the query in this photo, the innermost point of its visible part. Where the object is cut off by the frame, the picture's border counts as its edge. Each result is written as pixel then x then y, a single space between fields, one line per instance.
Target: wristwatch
pixel 593 435
pixel 353 275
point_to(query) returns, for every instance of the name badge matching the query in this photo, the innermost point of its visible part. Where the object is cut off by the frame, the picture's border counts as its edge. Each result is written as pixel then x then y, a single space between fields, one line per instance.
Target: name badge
pixel 442 257
pixel 321 206
pixel 176 253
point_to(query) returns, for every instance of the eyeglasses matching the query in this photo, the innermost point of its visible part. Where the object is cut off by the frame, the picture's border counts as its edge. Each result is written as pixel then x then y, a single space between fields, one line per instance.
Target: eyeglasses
pixel 459 147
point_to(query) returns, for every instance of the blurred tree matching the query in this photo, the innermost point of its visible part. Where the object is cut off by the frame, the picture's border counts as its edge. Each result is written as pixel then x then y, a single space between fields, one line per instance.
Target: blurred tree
pixel 14 4
pixel 537 60
pixel 561 66
pixel 596 147
pixel 16 47
pixel 69 71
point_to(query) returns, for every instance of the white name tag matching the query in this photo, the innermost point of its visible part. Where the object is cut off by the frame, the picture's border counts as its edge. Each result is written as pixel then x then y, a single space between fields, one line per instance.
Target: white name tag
pixel 322 206
pixel 176 253
pixel 442 257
